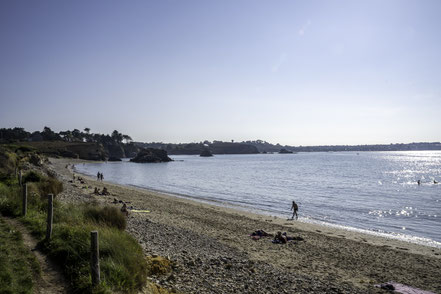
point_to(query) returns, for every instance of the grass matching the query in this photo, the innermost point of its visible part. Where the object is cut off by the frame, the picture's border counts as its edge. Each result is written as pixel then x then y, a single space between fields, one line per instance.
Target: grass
pixel 17 265
pixel 122 262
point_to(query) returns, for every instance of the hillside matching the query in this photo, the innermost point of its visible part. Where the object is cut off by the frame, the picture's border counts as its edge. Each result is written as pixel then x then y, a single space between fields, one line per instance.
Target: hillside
pixel 197 148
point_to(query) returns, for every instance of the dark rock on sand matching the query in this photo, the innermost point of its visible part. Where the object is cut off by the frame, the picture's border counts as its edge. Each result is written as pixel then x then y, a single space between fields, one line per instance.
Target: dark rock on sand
pixel 151 155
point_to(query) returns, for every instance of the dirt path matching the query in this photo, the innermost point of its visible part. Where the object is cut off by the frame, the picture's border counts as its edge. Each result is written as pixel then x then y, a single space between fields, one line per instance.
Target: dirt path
pixel 51 281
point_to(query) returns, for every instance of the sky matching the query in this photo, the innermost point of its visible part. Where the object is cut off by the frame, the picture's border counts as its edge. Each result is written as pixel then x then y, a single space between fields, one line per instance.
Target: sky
pixel 288 72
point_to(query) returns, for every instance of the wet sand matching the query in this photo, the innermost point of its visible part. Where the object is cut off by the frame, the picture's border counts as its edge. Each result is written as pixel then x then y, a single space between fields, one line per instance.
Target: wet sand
pixel 212 251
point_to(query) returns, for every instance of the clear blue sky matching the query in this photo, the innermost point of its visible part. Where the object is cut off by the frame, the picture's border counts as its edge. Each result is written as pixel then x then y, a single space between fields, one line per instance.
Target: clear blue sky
pixel 289 72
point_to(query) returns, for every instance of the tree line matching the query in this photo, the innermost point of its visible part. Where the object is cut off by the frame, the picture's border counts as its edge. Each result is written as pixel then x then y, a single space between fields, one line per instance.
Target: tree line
pixel 10 135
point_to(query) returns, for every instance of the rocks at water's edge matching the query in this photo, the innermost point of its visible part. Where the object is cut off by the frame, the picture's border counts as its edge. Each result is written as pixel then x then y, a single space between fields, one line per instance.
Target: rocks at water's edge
pixel 114 159
pixel 206 153
pixel 284 151
pixel 151 155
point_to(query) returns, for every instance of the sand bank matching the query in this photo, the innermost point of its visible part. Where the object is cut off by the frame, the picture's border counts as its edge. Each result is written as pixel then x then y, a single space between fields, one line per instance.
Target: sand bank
pixel 213 252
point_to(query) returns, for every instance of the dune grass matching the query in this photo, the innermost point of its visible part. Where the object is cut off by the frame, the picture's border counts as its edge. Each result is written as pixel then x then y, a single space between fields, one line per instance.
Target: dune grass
pixel 122 262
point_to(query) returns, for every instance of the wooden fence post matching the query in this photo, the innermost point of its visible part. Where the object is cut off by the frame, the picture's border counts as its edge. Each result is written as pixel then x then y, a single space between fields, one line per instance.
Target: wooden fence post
pixel 94 258
pixel 25 199
pixel 20 180
pixel 50 216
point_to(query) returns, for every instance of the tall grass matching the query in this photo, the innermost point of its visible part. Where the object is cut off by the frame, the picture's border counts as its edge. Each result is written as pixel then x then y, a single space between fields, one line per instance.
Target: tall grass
pixel 109 216
pixel 123 265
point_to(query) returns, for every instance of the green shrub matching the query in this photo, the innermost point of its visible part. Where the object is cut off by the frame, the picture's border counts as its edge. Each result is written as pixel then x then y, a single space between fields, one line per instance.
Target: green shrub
pixel 24 149
pixel 31 177
pixel 107 215
pixel 45 186
pixel 8 163
pixel 50 186
pixel 10 200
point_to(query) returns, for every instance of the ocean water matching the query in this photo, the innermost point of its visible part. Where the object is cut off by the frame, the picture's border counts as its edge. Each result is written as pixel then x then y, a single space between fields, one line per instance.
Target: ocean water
pixel 373 192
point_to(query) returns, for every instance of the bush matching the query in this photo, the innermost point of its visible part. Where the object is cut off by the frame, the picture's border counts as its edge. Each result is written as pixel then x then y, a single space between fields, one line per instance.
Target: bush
pixel 43 186
pixel 8 164
pixel 10 200
pixel 24 149
pixel 109 216
pixel 50 186
pixel 31 177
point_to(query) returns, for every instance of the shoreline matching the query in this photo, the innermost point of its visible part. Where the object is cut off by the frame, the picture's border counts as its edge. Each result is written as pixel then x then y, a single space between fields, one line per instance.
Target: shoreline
pixel 332 257
pixel 417 240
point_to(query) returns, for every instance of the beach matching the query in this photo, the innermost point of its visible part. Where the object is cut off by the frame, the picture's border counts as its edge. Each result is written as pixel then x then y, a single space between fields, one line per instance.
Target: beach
pixel 212 252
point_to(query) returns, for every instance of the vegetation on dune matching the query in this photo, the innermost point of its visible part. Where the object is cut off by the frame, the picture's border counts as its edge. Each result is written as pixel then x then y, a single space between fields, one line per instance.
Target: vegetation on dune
pixel 123 265
pixel 8 162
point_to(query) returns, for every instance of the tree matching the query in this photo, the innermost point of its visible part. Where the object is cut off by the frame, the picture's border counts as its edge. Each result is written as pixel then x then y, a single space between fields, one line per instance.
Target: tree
pixel 127 138
pixel 78 135
pixel 67 135
pixel 49 135
pixel 15 134
pixel 87 130
pixel 117 136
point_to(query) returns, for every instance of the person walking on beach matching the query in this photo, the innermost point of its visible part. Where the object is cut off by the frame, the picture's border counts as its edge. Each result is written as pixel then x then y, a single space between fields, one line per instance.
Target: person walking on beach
pixel 102 177
pixel 294 208
pixel 98 176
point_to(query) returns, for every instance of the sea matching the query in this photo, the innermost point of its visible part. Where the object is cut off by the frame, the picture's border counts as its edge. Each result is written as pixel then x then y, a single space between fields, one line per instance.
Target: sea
pixel 370 192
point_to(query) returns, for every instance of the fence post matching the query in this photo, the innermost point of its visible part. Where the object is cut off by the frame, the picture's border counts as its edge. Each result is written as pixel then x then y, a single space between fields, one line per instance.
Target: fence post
pixel 20 180
pixel 94 258
pixel 25 199
pixel 50 216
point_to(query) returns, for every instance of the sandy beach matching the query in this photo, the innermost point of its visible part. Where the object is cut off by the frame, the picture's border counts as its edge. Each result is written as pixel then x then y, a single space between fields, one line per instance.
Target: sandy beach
pixel 212 251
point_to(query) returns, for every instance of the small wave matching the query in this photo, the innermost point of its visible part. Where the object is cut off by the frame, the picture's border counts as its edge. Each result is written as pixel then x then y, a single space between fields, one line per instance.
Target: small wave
pixel 390 235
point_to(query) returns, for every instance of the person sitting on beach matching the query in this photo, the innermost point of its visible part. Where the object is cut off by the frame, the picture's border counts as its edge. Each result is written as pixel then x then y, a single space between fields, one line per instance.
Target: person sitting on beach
pixel 124 210
pixel 259 234
pixel 294 208
pixel 96 191
pixel 105 192
pixel 280 238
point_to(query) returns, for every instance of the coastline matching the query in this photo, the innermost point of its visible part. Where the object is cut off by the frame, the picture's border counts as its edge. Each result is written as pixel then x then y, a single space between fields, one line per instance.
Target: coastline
pixel 419 240
pixel 328 257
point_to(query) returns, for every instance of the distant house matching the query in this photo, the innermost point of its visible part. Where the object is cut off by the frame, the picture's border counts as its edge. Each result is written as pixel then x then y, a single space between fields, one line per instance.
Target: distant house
pixel 36 137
